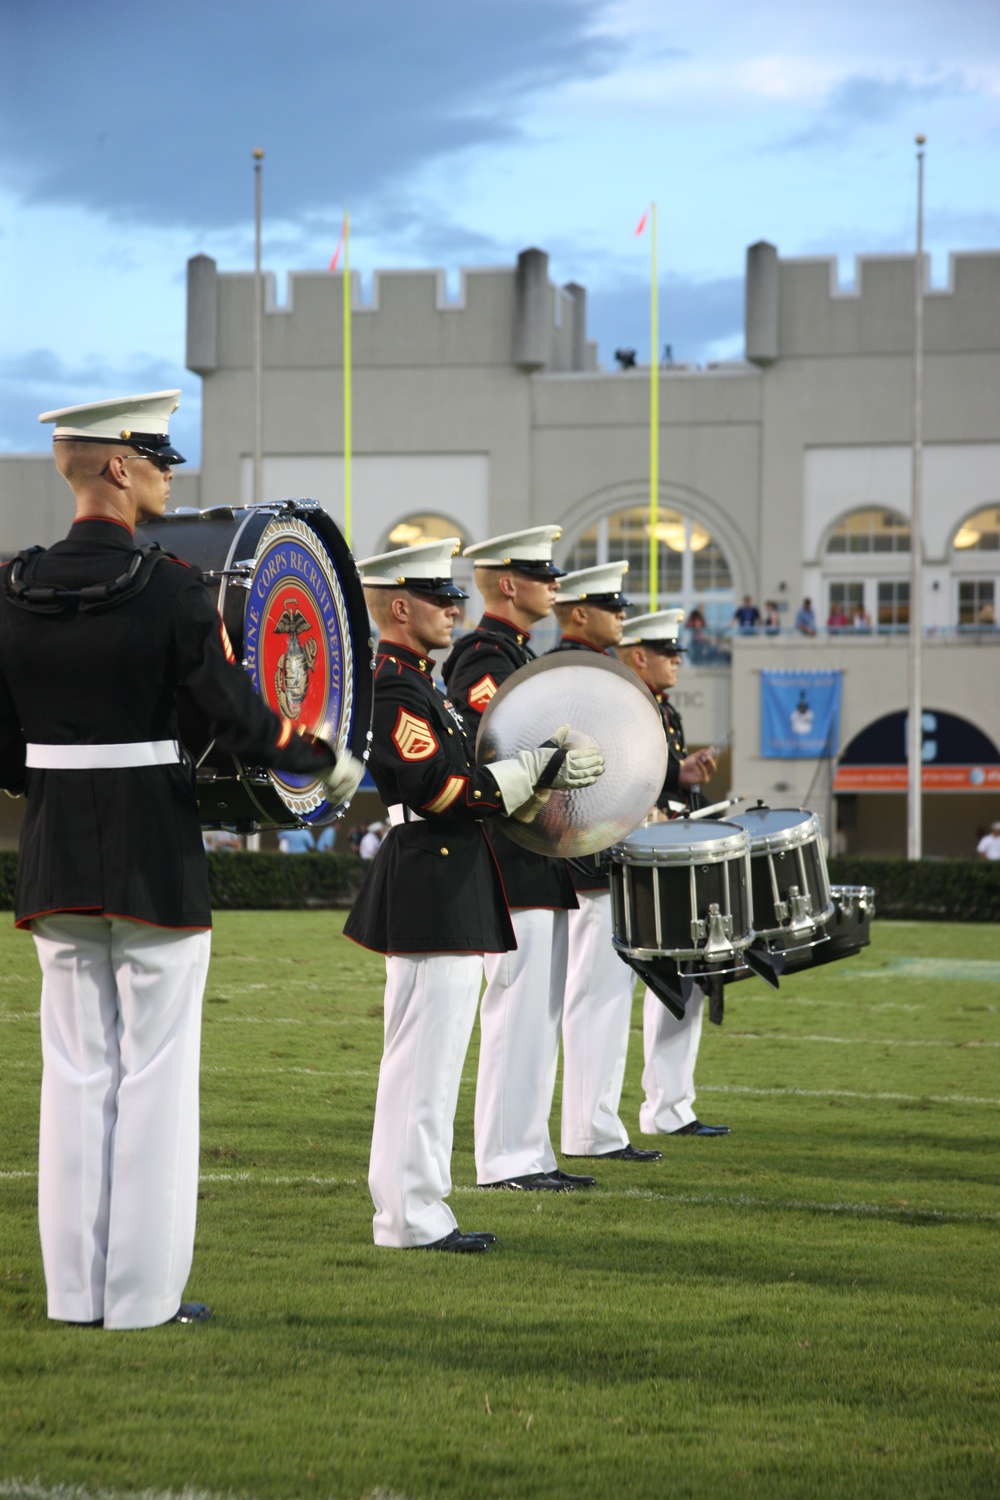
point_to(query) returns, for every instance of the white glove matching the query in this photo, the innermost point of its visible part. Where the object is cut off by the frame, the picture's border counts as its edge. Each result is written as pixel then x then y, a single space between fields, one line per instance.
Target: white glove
pixel 518 777
pixel 342 780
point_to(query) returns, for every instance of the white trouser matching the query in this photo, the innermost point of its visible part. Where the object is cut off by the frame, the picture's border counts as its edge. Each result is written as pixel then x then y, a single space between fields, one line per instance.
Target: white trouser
pixel 430 1008
pixel 519 1048
pixel 118 1144
pixel 597 1014
pixel 671 1051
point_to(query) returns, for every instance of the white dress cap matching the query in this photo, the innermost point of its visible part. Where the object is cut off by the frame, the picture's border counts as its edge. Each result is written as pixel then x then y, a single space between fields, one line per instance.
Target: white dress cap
pixel 425 568
pixel 660 629
pixel 600 585
pixel 141 421
pixel 530 551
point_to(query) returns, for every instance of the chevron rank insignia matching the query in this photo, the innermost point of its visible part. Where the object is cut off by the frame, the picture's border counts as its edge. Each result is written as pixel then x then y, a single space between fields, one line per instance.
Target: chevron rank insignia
pixel 413 737
pixel 481 693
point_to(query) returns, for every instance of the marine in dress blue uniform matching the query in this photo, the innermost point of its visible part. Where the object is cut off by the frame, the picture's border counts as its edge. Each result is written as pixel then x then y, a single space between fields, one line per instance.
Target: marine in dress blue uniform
pixel 520 1014
pixel 651 648
pixel 597 1010
pixel 432 900
pixel 98 637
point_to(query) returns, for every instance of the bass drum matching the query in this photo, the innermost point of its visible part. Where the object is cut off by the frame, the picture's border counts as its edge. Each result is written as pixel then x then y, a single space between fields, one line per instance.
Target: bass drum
pixel 290 597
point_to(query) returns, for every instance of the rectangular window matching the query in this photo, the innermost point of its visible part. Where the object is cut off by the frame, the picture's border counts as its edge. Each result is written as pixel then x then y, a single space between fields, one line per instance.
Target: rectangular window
pixel 976 603
pixel 847 598
pixel 893 605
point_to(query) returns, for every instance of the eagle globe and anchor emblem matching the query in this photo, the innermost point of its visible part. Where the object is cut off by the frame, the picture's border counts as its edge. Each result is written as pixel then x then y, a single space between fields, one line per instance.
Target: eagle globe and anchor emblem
pixel 298 647
pixel 291 675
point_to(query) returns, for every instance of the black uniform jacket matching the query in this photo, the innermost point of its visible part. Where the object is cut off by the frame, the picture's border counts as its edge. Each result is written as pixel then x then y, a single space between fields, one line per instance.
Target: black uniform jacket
pixel 121 842
pixel 586 872
pixel 433 886
pixel 691 796
pixel 477 666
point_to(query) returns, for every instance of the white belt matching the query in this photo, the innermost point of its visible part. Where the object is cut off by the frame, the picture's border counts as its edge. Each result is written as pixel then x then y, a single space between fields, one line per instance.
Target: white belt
pixel 398 813
pixel 104 757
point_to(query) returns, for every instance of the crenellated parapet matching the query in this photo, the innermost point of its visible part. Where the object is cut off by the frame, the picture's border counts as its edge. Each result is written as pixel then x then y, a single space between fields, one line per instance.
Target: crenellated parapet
pixel 796 308
pixel 502 316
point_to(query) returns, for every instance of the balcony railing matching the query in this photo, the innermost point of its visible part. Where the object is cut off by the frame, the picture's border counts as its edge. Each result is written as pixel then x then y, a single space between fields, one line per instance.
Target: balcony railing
pixel 708 648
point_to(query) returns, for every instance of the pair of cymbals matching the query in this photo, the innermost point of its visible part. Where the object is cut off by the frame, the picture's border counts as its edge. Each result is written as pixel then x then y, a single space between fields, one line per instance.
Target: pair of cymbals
pixel 607 707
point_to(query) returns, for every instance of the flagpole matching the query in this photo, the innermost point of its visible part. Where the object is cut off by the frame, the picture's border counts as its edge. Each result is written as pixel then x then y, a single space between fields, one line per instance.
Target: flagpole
pixel 915 738
pixel 347 378
pixel 654 424
pixel 258 360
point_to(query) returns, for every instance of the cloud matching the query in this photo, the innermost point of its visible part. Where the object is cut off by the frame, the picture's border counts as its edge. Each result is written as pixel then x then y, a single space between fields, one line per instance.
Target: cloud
pixel 862 100
pixel 38 380
pixel 151 115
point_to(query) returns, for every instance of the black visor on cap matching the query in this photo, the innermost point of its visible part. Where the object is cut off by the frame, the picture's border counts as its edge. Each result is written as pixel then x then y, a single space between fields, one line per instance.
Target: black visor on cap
pixel 604 601
pixel 535 568
pixel 154 445
pixel 443 587
pixel 665 648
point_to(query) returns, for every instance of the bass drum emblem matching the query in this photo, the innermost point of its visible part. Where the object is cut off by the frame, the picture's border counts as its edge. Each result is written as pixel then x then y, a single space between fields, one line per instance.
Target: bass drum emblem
pixel 291 677
pixel 297 646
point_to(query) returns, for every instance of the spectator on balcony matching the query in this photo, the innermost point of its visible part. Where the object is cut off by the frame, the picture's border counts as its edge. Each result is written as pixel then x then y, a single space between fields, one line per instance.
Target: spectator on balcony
pixel 805 619
pixel 861 620
pixel 772 619
pixel 747 617
pixel 837 620
pixel 695 621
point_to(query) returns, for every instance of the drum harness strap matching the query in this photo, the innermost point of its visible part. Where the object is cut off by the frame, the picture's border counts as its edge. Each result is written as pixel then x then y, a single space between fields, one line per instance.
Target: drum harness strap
pixel 44 599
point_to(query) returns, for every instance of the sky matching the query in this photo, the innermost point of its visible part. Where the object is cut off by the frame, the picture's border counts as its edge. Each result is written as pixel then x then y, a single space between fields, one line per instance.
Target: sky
pixel 459 132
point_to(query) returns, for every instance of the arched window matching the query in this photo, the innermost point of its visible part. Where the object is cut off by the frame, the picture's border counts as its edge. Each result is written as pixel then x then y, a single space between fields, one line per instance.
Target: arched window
pixel 691 566
pixel 870 530
pixel 975 559
pixel 430 526
pixel 425 526
pixel 980 533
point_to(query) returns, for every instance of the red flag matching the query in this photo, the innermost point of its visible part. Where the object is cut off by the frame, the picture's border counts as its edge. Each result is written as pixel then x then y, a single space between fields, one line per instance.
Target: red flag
pixel 340 246
pixel 642 222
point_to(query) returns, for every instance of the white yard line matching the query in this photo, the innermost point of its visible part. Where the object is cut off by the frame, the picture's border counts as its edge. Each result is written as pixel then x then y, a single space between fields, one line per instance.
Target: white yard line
pixel 716 1200
pixel 859 1041
pixel 737 1088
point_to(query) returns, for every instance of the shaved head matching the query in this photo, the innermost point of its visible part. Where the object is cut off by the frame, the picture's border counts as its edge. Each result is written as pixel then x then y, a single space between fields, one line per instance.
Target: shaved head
pixel 81 462
pixel 379 601
pixel 488 584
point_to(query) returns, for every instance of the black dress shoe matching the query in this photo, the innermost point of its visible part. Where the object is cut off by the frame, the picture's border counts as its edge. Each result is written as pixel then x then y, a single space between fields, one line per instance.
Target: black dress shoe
pixel 572 1179
pixel 695 1127
pixel 535 1182
pixel 461 1244
pixel 630 1153
pixel 192 1312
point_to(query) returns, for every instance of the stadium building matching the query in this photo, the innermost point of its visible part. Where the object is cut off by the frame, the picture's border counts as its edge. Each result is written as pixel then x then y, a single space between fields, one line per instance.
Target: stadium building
pixel 783 477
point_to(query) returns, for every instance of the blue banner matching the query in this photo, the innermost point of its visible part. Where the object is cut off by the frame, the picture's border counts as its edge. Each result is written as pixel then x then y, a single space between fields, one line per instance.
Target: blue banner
pixel 799 715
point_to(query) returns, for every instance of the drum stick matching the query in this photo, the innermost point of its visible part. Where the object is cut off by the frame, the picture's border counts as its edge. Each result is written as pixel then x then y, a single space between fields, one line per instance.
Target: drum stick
pixel 715 807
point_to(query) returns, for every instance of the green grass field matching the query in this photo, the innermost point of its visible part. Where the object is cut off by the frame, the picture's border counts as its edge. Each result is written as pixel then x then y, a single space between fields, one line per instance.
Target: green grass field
pixel 809 1307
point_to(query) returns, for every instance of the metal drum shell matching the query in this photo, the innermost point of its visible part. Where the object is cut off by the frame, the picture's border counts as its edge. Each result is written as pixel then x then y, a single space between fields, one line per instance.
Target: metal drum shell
pixel 664 878
pixel 797 832
pixel 222 541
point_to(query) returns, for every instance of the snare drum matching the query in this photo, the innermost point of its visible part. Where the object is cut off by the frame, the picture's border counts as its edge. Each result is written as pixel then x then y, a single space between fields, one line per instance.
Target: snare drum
pixel 791 889
pixel 289 594
pixel 681 890
pixel 846 931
